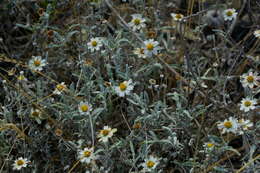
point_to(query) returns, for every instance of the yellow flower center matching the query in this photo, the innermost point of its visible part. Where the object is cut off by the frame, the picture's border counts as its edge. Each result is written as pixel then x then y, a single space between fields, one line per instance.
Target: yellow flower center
pixel 150 164
pixel 228 124
pixel 60 87
pixel 94 43
pixel 149 46
pixel 178 16
pixel 247 103
pixel 229 13
pixel 152 81
pixel 209 145
pixel 21 77
pixel 122 86
pixel 84 108
pixel 105 132
pixel 250 79
pixel 20 162
pixel 137 21
pixel 87 153
pixel 37 63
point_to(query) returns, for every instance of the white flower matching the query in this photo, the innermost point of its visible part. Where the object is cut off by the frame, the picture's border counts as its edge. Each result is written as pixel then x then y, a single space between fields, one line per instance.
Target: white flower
pixel 247 104
pixel 177 17
pixel 106 133
pixel 20 163
pixel 140 52
pixel 229 14
pixel 124 88
pixel 150 163
pixel 249 79
pixel 85 108
pixel 257 33
pixel 37 63
pixel 95 44
pixel 230 125
pixel 209 146
pixel 151 47
pixel 244 125
pixel 86 155
pixel 36 114
pixel 60 88
pixel 137 22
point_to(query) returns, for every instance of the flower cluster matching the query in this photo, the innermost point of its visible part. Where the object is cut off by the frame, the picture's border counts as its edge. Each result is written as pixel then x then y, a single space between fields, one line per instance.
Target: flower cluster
pixel 232 125
pixel 137 22
pixel 124 88
pixel 151 47
pixel 250 79
pixel 37 63
pixel 106 133
pixel 86 155
pixel 20 163
pixel 229 14
pixel 84 108
pixel 247 104
pixel 60 88
pixel 95 44
pixel 177 17
pixel 150 164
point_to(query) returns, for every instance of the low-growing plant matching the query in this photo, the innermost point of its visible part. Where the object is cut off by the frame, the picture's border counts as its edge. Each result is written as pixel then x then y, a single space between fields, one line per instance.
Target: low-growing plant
pixel 129 86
